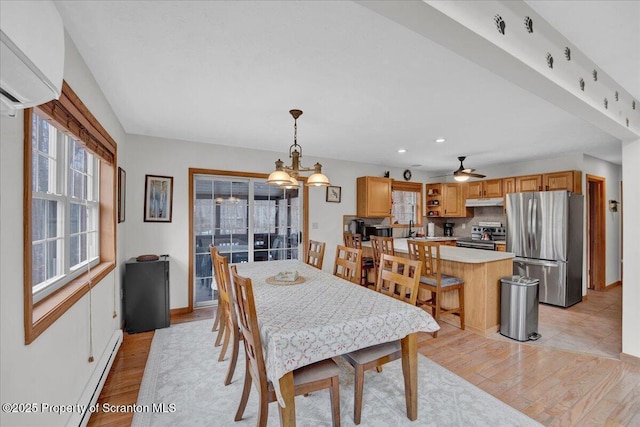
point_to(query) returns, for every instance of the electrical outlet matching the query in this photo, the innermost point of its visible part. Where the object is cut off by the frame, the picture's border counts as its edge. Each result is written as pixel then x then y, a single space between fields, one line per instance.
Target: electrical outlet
pixel 464 225
pixel 314 225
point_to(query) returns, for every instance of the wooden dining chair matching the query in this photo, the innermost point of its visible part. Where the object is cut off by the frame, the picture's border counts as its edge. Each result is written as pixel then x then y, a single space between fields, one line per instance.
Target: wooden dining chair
pixel 216 322
pixel 401 281
pixel 228 321
pixel 354 240
pixel 432 280
pixel 310 378
pixel 381 245
pixel 315 254
pixel 348 264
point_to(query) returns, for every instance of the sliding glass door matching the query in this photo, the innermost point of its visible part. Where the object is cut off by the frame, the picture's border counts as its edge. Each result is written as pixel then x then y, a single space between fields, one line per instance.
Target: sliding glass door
pixel 246 220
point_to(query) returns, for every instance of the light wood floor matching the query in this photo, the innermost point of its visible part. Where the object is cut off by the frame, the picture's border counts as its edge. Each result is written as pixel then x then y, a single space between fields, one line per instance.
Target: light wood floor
pixel 556 387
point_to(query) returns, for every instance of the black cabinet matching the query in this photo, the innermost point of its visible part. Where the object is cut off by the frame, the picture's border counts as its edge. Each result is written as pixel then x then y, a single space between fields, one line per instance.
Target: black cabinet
pixel 146 295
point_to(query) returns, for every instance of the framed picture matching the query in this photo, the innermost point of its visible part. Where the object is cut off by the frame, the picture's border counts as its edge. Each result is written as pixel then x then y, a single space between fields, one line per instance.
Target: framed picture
pixel 334 194
pixel 158 198
pixel 122 191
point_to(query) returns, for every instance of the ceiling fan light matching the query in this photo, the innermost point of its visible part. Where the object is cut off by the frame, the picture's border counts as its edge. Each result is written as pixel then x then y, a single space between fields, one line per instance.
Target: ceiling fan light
pixel 461 178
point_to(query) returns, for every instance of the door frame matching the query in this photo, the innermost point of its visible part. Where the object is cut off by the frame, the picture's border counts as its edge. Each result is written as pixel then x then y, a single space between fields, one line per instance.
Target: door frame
pixel 226 173
pixel 596 232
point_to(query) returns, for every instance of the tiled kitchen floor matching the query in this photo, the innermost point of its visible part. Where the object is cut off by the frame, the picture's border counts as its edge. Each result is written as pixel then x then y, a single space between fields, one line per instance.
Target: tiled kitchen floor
pixel 593 326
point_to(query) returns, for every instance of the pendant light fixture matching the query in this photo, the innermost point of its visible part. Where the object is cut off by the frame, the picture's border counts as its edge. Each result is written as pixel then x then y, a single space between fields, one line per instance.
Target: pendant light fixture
pixel 287 176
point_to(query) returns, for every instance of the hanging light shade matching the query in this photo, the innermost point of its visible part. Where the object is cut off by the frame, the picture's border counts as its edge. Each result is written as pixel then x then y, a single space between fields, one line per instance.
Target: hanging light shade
pixel 292 183
pixel 461 178
pixel 318 179
pixel 286 176
pixel 279 176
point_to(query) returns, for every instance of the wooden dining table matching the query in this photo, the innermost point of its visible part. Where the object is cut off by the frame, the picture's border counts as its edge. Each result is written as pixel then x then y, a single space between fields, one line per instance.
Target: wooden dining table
pixel 326 316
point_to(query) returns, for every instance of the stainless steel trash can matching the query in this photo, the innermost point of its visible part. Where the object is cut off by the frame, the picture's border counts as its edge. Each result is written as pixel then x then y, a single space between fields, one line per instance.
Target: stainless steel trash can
pixel 519 308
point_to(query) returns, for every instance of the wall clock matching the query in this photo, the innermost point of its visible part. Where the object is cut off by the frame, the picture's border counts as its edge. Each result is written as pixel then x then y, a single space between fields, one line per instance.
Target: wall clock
pixel 407 175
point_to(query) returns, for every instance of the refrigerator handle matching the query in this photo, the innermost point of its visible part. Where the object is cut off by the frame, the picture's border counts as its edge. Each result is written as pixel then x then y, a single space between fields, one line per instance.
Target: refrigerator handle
pixel 529 213
pixel 534 223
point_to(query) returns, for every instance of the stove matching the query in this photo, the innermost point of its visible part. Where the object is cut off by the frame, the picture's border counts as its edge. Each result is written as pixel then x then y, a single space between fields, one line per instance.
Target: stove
pixel 483 236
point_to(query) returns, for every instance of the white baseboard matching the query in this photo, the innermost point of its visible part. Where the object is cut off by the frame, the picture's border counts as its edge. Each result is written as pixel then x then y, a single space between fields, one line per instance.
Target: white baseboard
pixel 90 395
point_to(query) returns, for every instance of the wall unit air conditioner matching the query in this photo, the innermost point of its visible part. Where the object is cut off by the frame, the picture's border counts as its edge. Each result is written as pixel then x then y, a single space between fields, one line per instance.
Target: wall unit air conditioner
pixel 31 54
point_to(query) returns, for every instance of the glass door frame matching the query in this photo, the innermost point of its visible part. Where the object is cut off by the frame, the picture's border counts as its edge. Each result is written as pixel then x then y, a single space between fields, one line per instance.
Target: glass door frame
pixel 304 218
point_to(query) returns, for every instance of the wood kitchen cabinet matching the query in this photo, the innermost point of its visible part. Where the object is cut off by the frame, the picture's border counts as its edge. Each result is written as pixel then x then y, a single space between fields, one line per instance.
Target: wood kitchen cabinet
pixel 509 185
pixel 485 189
pixel 567 180
pixel 434 200
pixel 373 197
pixel 528 183
pixel 453 200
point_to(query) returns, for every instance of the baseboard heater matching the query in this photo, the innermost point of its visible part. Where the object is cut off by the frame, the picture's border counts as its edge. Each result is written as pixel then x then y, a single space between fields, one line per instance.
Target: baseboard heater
pixel 92 391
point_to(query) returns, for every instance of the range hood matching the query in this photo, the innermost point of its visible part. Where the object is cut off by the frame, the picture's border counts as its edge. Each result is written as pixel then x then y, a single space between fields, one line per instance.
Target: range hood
pixel 492 201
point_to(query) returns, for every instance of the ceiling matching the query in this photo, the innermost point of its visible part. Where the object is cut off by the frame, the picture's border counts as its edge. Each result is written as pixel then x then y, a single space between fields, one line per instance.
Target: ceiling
pixel 228 72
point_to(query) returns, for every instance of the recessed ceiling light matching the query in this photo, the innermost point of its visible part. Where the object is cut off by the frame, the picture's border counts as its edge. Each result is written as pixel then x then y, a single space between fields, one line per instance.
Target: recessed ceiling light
pixel 402 150
pixel 440 140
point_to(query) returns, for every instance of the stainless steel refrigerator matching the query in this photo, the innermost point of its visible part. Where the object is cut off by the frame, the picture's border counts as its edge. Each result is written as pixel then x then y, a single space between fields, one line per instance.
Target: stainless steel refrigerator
pixel 545 231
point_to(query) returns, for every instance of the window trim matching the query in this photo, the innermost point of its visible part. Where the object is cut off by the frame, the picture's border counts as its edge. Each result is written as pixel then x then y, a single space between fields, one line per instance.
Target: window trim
pixel 197 171
pixel 411 187
pixel 70 114
pixel 69 272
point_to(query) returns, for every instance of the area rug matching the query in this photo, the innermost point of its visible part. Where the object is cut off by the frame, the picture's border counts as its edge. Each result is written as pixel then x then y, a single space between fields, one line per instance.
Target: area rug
pixel 183 386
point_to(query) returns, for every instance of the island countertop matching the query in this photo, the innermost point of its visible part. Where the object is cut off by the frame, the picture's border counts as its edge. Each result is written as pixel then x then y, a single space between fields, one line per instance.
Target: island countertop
pixel 481 270
pixel 453 253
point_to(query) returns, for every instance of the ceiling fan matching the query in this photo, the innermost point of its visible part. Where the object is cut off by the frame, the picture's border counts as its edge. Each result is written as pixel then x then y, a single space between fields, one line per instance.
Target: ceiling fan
pixel 462 173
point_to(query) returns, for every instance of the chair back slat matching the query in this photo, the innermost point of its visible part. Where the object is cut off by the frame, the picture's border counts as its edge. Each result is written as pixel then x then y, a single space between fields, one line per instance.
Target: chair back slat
pixel 225 292
pixel 248 322
pixel 315 254
pixel 348 263
pixel 381 245
pixel 428 253
pixel 401 280
pixel 353 240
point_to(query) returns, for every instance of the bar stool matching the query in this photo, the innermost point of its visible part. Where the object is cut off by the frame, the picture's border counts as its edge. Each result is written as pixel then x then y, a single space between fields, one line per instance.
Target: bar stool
pixel 434 281
pixel 354 240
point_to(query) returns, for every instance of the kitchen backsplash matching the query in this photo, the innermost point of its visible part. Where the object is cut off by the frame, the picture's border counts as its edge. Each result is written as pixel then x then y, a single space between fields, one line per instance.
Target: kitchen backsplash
pixel 481 214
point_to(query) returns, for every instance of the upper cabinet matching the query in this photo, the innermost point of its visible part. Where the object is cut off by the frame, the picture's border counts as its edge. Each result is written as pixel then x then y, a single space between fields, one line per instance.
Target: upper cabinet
pixel 447 200
pixel 406 203
pixel 453 200
pixel 485 189
pixel 566 180
pixel 374 197
pixel 528 183
pixel 434 200
pixel 509 185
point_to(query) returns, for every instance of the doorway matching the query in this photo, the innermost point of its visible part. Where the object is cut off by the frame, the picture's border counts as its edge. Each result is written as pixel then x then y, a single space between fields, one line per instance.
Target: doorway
pixel 245 219
pixel 596 232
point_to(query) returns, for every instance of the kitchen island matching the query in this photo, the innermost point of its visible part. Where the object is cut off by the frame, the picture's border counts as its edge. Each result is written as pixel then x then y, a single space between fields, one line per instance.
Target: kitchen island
pixel 481 271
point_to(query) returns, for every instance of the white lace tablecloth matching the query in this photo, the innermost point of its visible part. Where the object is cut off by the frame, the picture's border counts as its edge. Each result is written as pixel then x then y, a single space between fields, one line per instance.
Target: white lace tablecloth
pixel 323 317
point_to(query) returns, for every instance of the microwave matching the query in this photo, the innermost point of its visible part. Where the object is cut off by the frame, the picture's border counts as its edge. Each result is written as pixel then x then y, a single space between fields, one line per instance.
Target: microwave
pixel 378 230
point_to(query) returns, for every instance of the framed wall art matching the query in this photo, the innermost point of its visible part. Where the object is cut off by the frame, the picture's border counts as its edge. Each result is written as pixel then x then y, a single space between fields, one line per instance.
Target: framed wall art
pixel 334 194
pixel 158 198
pixel 122 192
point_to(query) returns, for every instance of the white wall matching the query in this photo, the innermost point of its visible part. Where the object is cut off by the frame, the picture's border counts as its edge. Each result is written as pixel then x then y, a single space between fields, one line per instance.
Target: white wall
pixel 54 369
pixel 631 250
pixel 174 158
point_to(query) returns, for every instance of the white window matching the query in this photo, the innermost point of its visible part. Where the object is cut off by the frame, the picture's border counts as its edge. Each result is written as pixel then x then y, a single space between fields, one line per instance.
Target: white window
pixel 64 208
